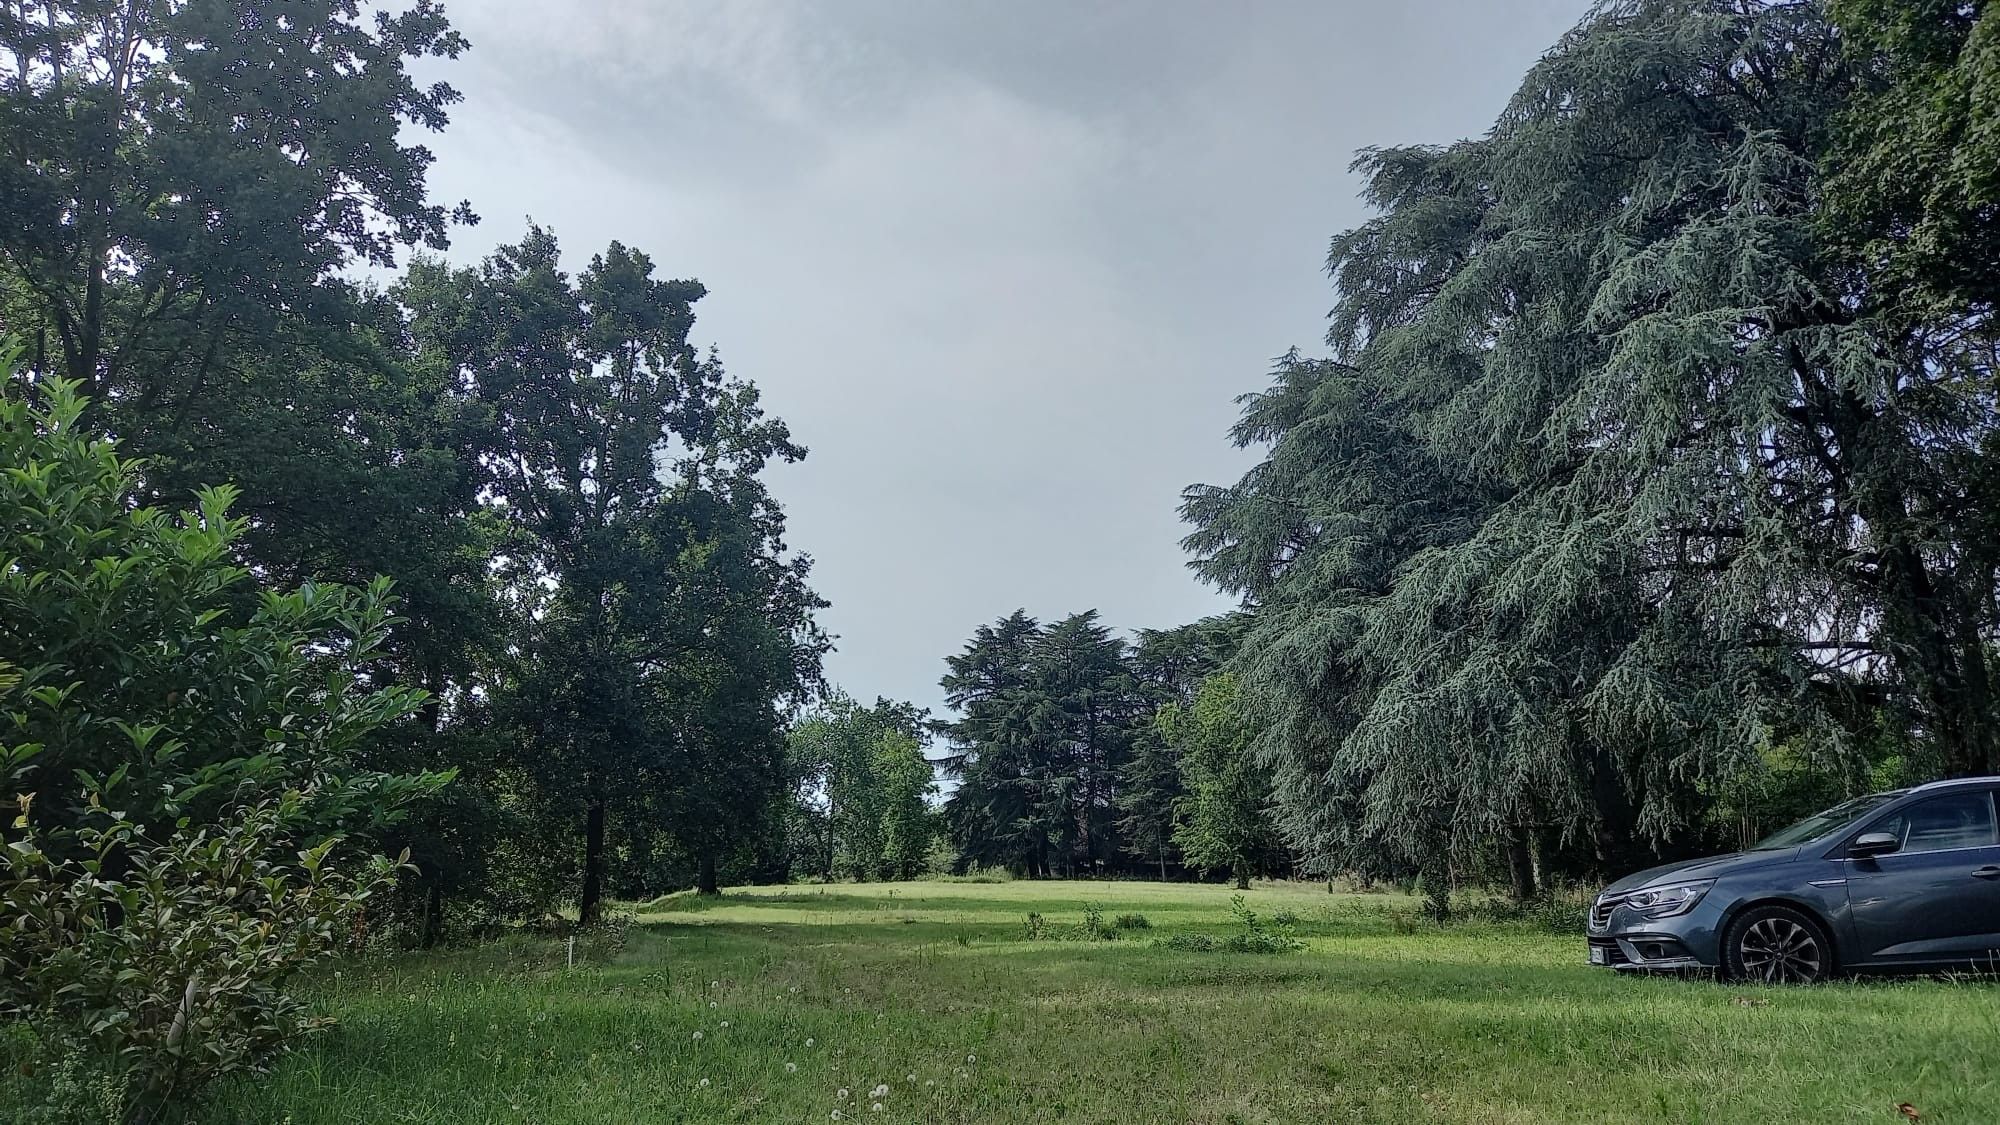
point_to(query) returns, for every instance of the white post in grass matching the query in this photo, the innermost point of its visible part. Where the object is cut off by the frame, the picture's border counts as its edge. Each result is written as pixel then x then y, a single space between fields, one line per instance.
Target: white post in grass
pixel 572 951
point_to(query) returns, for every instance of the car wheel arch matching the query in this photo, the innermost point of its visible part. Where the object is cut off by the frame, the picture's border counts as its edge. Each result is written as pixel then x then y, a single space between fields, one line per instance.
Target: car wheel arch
pixel 1818 918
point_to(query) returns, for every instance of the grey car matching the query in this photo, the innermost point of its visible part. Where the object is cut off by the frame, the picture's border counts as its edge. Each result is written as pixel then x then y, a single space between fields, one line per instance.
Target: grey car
pixel 1904 880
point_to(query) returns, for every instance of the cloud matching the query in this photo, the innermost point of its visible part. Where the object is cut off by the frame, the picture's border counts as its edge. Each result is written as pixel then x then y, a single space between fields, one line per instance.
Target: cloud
pixel 1003 267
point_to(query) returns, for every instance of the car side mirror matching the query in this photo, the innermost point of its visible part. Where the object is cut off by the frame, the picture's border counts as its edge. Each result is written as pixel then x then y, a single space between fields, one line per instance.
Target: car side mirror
pixel 1874 843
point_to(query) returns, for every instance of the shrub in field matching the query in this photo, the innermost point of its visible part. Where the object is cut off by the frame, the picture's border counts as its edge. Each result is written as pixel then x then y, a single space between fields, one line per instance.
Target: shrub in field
pixel 168 973
pixel 1254 936
pixel 181 753
pixel 1133 922
pixel 1093 927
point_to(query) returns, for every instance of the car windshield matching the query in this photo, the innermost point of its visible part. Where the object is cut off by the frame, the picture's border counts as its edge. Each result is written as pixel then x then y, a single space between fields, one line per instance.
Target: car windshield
pixel 1821 823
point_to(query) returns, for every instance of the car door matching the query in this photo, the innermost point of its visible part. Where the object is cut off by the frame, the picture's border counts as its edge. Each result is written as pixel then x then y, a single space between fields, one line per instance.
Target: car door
pixel 1937 897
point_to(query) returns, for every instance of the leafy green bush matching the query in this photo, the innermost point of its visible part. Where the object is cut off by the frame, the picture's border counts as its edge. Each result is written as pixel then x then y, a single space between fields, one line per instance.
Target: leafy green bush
pixel 1093 927
pixel 172 968
pixel 1133 922
pixel 184 753
pixel 1254 936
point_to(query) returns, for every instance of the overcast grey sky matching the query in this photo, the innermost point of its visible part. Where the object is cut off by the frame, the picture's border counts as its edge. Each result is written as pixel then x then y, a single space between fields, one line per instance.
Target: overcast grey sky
pixel 1001 266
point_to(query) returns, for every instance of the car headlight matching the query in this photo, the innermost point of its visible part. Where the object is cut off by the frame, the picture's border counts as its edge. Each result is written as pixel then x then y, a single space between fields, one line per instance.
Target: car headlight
pixel 1669 900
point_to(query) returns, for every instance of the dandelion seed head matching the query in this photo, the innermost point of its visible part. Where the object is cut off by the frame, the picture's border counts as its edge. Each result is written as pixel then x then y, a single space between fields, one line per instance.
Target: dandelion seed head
pixel 876 1108
pixel 697 1036
pixel 704 1083
pixel 809 1040
pixel 725 1023
pixel 840 1095
pixel 791 1067
pixel 879 1091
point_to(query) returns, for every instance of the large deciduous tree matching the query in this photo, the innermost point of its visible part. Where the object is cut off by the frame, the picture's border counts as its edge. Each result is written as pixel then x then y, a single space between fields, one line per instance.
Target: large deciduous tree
pixel 185 173
pixel 862 789
pixel 1222 821
pixel 668 623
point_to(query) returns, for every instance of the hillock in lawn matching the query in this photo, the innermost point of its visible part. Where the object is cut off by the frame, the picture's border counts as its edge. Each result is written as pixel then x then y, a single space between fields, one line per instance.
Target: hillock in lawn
pixel 796 1003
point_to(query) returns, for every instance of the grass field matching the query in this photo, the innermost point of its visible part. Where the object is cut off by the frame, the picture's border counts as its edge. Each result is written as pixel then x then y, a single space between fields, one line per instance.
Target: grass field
pixel 765 1004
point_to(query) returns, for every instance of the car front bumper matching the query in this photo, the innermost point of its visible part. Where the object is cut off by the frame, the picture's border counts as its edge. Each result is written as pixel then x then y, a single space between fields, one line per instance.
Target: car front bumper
pixel 1643 953
pixel 1635 943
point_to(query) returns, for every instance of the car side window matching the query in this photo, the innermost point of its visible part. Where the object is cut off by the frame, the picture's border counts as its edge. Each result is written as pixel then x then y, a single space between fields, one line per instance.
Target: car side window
pixel 1955 820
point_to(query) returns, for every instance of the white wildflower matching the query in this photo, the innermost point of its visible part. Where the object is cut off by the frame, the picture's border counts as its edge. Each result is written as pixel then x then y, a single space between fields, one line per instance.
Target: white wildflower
pixel 876 1108
pixel 809 1040
pixel 840 1095
pixel 880 1091
pixel 704 1083
pixel 697 1036
pixel 791 1068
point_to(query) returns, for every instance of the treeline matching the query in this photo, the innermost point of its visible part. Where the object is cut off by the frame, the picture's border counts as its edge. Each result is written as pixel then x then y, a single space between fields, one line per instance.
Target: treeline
pixel 1076 753
pixel 590 608
pixel 1646 495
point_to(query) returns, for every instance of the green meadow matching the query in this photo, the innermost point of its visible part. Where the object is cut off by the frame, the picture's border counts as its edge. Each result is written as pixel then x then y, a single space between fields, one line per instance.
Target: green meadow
pixel 797 1003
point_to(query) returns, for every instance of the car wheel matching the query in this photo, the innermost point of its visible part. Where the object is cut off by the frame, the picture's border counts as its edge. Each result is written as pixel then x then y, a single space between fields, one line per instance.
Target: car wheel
pixel 1776 945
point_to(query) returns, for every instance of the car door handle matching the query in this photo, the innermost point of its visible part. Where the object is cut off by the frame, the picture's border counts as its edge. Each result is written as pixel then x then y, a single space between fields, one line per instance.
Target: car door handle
pixel 1987 872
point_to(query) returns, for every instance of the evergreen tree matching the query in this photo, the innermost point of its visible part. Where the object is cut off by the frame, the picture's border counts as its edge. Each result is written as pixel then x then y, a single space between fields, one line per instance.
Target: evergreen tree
pixel 1620 472
pixel 991 813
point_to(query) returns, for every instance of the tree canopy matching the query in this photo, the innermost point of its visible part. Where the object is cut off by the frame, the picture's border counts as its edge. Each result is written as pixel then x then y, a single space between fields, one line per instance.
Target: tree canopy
pixel 1621 468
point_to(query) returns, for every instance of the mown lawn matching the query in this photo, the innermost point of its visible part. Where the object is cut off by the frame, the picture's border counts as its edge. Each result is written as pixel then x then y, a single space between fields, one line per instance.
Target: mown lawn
pixel 766 1004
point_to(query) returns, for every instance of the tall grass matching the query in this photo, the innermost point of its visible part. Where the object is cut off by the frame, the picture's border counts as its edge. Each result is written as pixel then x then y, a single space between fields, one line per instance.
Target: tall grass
pixel 932 991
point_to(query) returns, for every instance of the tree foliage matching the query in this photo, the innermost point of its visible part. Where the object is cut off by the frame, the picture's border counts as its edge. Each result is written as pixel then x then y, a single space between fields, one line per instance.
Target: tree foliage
pixel 181 768
pixel 1621 469
pixel 1221 822
pixel 668 624
pixel 862 790
pixel 1061 766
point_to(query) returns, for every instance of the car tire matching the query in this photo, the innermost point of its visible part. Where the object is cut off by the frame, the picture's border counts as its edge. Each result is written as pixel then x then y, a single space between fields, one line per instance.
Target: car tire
pixel 1773 944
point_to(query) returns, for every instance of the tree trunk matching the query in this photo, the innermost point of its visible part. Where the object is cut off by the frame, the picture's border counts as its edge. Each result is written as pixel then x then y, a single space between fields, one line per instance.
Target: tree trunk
pixel 589 909
pixel 433 925
pixel 1242 876
pixel 1163 865
pixel 705 881
pixel 1520 865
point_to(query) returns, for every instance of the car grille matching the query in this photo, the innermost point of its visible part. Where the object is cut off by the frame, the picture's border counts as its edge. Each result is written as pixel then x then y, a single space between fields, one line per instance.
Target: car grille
pixel 1601 908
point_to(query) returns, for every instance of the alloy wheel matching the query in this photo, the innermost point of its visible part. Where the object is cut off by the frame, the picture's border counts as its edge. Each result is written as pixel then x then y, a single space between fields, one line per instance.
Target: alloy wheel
pixel 1781 951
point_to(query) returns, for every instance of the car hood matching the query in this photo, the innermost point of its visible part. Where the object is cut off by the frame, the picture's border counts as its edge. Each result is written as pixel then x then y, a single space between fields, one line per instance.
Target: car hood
pixel 1707 867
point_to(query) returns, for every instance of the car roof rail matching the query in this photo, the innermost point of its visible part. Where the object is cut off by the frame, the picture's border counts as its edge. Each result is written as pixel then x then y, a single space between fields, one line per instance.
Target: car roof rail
pixel 1953 783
